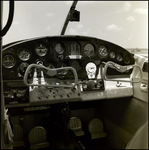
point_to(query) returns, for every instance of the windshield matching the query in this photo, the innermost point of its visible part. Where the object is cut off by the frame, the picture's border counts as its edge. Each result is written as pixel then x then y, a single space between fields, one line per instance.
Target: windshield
pixel 124 23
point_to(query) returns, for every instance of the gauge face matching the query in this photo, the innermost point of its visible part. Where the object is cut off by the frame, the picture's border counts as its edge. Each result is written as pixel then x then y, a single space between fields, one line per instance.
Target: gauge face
pixel 8 61
pixel 89 50
pixel 75 64
pixel 127 59
pixel 103 51
pixel 41 49
pixel 59 48
pixel 22 68
pixel 23 65
pixel 91 67
pixel 112 54
pixel 75 48
pixel 119 57
pixel 24 54
pixel 91 70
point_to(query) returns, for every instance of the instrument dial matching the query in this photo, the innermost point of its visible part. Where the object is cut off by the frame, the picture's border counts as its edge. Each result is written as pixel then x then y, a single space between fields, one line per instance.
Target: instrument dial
pixel 41 49
pixel 90 67
pixel 59 48
pixel 75 64
pixel 127 59
pixel 91 70
pixel 75 48
pixel 8 61
pixel 24 54
pixel 119 57
pixel 103 51
pixel 89 50
pixel 112 55
pixel 22 68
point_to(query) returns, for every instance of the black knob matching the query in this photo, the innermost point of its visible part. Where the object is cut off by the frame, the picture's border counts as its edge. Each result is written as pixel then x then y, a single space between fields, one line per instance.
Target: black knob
pixel 90 84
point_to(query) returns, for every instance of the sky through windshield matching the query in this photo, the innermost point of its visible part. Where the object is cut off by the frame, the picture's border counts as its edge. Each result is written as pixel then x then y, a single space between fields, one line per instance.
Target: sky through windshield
pixel 121 22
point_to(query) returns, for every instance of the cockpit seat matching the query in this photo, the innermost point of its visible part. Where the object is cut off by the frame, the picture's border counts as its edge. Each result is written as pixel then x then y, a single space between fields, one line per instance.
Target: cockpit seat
pixel 18 136
pixel 96 128
pixel 76 126
pixel 37 138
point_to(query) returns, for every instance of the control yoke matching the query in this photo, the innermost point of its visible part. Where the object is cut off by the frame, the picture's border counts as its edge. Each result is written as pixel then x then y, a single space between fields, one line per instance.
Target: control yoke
pixel 121 69
pixel 50 72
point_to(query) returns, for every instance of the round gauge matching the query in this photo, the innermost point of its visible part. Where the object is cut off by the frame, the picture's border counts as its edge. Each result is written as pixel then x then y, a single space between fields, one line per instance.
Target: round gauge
pixel 75 64
pixel 103 51
pixel 127 59
pixel 41 49
pixel 89 50
pixel 24 54
pixel 75 48
pixel 8 61
pixel 91 67
pixel 119 57
pixel 59 48
pixel 112 54
pixel 22 68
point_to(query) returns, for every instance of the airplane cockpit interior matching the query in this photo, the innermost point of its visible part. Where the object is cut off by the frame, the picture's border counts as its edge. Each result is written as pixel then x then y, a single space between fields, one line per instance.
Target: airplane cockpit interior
pixel 72 91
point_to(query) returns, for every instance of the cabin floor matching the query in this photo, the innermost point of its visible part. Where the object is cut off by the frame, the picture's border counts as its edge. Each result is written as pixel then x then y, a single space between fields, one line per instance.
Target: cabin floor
pixel 60 136
pixel 58 141
pixel 73 142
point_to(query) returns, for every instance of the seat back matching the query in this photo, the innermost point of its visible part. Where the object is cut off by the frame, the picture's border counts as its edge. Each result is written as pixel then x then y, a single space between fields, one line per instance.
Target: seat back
pixel 18 136
pixel 96 128
pixel 37 138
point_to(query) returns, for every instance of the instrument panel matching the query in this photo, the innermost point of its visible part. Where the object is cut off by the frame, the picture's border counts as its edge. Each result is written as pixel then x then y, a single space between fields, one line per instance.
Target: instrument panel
pixel 86 55
pixel 62 51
